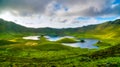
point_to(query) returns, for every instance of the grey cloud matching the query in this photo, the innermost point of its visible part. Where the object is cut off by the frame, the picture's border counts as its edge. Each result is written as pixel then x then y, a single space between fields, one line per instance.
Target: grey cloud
pixel 24 7
pixel 93 8
pixel 90 8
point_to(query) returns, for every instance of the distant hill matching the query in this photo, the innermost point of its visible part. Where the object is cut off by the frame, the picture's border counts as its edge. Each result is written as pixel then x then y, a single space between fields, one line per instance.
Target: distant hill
pixel 11 27
pixel 108 29
pixel 8 26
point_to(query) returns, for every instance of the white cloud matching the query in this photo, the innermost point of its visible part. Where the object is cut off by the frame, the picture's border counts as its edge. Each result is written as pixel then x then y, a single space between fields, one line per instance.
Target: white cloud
pixel 45 21
pixel 44 13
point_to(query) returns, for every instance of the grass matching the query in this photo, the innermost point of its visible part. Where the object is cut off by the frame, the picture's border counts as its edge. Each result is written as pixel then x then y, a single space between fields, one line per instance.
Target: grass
pixel 31 53
pixel 67 40
pixel 102 45
pixel 5 42
pixel 108 52
pixel 43 53
pixel 16 52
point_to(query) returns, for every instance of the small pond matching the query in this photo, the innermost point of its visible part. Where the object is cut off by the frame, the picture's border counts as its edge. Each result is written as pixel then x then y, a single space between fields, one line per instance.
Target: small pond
pixel 89 43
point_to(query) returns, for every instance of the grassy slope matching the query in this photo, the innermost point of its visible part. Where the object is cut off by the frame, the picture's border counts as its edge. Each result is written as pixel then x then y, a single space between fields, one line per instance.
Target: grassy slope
pixel 107 32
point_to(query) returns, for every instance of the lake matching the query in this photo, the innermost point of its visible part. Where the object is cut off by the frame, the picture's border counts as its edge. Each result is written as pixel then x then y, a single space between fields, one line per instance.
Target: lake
pixel 89 43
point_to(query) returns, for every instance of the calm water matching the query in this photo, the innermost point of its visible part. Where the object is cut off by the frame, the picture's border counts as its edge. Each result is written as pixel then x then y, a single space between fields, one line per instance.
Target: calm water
pixel 87 44
pixel 50 38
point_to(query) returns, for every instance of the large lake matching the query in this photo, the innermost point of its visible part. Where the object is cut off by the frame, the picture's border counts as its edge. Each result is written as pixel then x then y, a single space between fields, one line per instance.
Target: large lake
pixel 89 43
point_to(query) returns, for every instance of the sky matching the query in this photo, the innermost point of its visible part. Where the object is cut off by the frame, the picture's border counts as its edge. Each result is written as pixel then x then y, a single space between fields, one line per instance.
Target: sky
pixel 59 13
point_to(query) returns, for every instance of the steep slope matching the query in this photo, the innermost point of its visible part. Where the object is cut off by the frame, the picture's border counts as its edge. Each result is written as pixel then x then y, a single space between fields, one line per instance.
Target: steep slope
pixel 110 29
pixel 11 27
pixel 7 27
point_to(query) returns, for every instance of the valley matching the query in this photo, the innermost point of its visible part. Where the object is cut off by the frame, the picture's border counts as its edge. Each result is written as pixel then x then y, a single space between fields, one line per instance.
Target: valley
pixel 16 51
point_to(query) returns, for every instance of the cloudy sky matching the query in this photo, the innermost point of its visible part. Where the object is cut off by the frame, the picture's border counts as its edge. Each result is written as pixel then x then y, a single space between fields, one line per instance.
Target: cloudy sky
pixel 59 13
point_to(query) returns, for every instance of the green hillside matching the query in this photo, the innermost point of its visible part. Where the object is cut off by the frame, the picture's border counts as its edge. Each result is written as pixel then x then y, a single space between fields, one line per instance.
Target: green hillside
pixel 106 30
pixel 17 52
pixel 8 26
